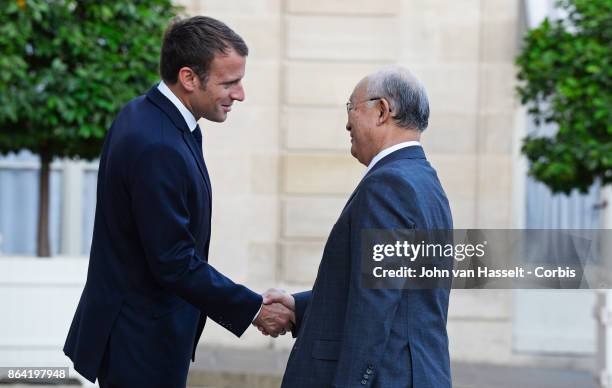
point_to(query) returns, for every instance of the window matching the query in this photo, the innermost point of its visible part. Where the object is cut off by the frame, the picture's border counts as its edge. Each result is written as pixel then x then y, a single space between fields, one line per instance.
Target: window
pixel 72 193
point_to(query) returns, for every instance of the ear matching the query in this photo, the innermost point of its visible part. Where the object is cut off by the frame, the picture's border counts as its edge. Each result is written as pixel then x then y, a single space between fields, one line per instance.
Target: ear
pixel 384 111
pixel 188 79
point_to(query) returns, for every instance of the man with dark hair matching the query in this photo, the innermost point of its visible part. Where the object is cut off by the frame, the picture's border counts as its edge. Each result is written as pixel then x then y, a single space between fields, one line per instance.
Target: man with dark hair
pixel 149 286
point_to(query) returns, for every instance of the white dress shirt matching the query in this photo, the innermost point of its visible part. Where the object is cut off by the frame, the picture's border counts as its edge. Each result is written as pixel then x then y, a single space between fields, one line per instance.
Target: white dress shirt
pixel 187 115
pixel 389 150
pixel 189 119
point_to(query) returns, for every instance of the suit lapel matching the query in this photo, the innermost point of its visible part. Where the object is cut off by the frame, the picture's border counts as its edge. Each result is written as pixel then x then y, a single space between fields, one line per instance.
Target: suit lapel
pixel 198 156
pixel 177 119
pixel 412 152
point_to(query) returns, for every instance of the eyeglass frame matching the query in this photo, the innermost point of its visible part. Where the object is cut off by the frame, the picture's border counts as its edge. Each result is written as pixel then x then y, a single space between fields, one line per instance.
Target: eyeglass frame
pixel 350 105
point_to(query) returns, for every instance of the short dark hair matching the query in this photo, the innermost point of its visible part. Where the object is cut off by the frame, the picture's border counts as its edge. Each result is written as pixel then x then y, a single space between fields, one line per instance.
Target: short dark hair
pixel 193 42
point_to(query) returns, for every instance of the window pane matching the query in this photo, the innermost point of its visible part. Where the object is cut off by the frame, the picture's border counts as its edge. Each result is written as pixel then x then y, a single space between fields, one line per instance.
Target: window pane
pixel 19 205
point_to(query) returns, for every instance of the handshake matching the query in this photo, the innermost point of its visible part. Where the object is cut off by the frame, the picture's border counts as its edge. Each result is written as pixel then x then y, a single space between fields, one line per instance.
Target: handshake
pixel 277 314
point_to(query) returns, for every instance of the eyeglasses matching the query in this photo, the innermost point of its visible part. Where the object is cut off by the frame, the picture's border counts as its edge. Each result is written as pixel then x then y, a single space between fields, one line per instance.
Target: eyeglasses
pixel 350 105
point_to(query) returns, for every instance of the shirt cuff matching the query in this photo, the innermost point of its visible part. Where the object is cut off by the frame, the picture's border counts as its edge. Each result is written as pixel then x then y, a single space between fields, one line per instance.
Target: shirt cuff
pixel 257 313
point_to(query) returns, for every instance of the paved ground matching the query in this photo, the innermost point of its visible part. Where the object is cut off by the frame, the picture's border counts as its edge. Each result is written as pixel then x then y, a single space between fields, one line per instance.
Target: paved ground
pixel 265 367
pixel 224 368
pixel 465 376
pixel 487 376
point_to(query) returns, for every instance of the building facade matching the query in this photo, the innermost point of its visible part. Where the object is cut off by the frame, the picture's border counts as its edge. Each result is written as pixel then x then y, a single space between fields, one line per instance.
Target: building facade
pixel 281 172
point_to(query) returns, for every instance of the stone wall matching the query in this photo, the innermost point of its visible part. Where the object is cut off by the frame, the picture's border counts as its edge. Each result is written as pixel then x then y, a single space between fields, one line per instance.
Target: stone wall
pixel 281 167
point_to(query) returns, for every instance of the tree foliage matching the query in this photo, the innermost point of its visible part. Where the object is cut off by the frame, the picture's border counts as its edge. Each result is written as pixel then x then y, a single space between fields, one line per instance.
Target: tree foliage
pixel 566 72
pixel 67 66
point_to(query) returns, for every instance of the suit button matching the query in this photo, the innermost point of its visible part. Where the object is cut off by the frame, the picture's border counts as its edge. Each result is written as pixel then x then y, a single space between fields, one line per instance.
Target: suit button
pixel 369 371
pixel 364 382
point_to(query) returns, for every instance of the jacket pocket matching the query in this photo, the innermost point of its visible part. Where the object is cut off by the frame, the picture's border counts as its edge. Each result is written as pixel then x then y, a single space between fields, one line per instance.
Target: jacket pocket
pixel 326 350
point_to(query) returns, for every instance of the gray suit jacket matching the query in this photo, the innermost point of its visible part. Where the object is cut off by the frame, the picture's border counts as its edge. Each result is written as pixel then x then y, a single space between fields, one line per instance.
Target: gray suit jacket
pixel 352 336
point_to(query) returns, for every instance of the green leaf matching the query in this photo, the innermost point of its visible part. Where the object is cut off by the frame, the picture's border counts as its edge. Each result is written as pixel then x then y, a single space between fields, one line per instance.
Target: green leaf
pixel 565 74
pixel 63 69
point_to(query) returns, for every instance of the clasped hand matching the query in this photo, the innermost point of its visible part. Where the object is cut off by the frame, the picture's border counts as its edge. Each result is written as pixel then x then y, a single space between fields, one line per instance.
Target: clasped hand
pixel 277 314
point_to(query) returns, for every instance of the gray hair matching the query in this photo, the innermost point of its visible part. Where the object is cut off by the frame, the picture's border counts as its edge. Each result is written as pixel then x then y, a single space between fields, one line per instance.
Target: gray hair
pixel 404 92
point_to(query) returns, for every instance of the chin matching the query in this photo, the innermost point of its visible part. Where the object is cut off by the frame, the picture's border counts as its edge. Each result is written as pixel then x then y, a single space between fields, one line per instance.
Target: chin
pixel 215 116
pixel 222 117
pixel 217 119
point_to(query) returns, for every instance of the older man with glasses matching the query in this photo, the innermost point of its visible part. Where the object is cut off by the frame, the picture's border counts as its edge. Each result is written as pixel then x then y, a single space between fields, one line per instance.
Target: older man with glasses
pixel 349 335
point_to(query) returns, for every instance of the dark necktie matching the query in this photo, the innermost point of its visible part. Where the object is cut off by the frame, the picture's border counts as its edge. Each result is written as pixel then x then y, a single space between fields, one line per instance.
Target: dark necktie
pixel 198 135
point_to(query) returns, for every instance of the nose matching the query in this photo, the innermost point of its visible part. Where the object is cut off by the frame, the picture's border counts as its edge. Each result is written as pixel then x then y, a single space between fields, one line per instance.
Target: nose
pixel 348 126
pixel 238 93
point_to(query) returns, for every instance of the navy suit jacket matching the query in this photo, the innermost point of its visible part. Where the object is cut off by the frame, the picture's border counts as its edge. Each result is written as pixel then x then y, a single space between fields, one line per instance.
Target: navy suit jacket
pixel 149 286
pixel 352 336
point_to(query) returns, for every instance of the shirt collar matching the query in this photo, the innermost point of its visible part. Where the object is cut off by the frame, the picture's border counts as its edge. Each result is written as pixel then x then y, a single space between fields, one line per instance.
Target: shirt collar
pixel 187 115
pixel 389 150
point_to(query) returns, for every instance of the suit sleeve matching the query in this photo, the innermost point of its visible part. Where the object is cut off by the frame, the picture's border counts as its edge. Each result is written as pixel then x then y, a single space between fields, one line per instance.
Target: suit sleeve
pixel 158 186
pixel 370 312
pixel 302 299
